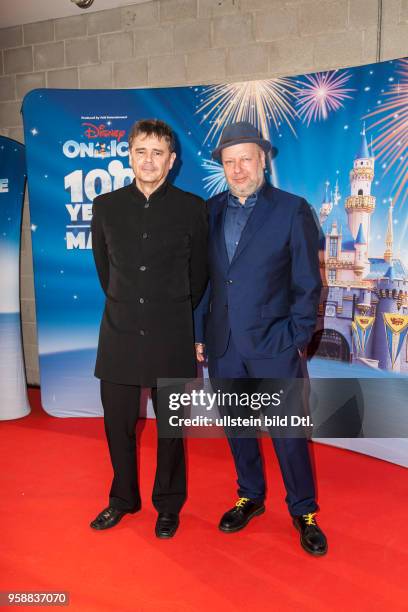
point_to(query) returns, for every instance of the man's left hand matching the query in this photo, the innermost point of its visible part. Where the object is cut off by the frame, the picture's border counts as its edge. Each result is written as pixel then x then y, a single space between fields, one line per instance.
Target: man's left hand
pixel 200 351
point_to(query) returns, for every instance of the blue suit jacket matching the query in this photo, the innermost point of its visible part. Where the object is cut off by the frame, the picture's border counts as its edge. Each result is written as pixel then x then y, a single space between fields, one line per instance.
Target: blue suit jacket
pixel 267 297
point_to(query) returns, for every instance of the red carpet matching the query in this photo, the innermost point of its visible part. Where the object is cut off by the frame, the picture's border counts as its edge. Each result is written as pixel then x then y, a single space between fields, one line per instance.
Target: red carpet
pixel 55 475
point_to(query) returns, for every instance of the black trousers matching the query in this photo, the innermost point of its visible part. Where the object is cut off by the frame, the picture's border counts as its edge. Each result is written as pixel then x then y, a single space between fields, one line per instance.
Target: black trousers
pixel 121 405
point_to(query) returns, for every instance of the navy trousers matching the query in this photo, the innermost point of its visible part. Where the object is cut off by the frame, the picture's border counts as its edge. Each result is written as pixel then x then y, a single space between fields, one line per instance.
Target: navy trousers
pixel 292 453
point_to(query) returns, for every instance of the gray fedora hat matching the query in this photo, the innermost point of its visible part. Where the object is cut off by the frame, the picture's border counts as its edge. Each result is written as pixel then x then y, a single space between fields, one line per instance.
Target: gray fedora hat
pixel 241 132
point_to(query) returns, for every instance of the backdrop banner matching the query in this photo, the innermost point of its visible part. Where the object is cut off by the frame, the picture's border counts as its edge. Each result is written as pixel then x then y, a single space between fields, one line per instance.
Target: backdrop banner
pixel 13 390
pixel 342 144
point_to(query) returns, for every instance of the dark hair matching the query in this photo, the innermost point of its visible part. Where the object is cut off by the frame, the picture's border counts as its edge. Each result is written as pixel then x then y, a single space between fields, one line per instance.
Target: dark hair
pixel 153 127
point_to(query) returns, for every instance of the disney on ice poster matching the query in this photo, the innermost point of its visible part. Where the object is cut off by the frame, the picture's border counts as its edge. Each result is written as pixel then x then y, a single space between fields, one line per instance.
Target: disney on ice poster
pixel 342 143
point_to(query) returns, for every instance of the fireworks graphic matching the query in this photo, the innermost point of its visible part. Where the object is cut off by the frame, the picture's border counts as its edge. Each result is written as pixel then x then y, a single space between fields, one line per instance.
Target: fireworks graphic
pixel 321 93
pixel 391 145
pixel 259 102
pixel 215 181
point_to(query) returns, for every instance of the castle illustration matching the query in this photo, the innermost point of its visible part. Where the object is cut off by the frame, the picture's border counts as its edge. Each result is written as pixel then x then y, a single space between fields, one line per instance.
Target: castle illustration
pixel 363 313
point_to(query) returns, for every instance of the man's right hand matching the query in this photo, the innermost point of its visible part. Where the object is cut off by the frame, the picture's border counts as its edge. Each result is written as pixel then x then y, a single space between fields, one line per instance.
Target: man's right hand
pixel 200 349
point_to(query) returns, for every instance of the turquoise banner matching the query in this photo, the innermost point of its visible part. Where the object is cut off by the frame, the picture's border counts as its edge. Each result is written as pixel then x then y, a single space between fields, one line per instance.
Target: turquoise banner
pixel 13 394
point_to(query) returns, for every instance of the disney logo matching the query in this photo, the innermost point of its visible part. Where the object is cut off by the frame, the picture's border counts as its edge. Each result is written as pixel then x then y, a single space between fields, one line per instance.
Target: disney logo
pixel 101 131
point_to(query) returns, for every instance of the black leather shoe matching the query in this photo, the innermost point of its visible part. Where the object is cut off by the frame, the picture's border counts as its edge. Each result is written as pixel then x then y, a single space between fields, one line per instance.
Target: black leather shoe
pixel 108 518
pixel 312 537
pixel 166 525
pixel 238 517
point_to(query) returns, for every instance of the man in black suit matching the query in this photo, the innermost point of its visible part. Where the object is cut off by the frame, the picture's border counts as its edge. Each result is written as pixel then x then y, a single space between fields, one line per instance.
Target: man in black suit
pixel 149 244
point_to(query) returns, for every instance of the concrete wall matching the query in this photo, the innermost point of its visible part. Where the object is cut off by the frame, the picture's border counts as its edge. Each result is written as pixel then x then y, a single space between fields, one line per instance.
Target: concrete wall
pixel 180 42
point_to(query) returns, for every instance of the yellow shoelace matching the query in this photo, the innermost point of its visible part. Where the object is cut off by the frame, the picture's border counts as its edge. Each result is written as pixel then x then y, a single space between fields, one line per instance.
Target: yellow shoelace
pixel 242 501
pixel 309 518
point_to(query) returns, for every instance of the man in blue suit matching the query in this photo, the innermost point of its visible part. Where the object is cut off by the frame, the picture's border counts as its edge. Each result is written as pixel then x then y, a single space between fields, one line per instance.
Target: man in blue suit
pixel 259 312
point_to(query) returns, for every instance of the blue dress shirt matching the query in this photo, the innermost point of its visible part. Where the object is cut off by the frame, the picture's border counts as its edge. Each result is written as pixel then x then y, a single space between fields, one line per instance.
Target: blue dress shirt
pixel 236 218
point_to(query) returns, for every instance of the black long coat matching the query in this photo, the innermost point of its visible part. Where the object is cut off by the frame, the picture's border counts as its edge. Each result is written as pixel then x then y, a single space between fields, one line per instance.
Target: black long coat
pixel 151 258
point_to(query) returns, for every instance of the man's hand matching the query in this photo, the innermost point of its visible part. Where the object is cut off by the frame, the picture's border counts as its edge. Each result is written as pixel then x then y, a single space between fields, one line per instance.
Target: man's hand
pixel 200 348
pixel 302 352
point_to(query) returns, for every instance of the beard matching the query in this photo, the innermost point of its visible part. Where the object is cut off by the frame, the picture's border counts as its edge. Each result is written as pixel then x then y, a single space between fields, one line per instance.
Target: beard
pixel 247 189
